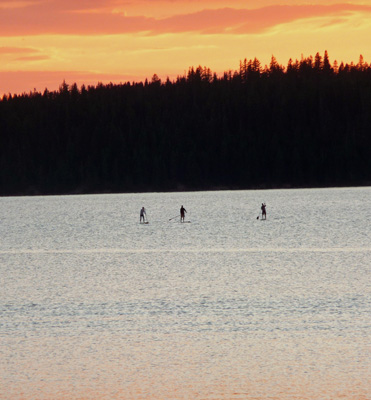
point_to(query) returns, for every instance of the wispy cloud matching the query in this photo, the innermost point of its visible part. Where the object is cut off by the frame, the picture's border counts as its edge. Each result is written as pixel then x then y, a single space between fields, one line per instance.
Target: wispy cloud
pixel 94 17
pixel 22 54
pixel 17 50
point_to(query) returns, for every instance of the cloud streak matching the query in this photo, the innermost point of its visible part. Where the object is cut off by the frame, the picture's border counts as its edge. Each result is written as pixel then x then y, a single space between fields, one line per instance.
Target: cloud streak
pixel 17 50
pixel 89 18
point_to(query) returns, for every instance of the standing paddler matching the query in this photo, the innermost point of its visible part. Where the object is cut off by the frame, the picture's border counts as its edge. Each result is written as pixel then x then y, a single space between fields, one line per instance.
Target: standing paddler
pixel 142 215
pixel 182 213
pixel 264 211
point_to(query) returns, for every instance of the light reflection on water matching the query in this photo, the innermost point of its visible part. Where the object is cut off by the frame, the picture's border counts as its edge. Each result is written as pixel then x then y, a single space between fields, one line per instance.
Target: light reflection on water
pixel 95 306
pixel 194 250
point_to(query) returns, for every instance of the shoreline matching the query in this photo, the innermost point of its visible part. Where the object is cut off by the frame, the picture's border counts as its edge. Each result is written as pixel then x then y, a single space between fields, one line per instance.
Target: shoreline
pixel 184 189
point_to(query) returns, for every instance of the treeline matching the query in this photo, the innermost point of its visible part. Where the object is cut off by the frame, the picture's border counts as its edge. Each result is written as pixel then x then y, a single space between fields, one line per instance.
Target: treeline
pixel 306 124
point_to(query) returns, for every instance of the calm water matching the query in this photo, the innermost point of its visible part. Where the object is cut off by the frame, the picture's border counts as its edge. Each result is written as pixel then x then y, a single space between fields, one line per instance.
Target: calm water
pixel 94 305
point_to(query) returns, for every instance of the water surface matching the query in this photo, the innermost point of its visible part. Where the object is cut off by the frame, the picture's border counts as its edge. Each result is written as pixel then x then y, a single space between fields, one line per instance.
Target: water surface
pixel 94 305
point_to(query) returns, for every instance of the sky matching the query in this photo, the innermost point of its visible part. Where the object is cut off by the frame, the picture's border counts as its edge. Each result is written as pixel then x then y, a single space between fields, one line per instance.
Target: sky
pixel 44 42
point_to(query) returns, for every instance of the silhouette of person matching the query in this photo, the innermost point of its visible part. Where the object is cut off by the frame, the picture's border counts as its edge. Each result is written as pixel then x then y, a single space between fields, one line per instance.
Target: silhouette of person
pixel 264 211
pixel 142 214
pixel 182 211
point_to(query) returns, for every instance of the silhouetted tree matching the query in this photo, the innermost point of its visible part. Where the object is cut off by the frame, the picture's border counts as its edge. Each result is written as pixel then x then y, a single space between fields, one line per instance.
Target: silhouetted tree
pixel 308 124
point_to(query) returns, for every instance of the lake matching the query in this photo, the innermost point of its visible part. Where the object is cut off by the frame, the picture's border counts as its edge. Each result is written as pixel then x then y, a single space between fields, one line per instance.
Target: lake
pixel 94 305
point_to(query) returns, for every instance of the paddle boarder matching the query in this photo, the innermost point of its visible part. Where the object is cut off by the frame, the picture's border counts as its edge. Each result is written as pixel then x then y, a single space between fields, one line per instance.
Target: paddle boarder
pixel 142 215
pixel 264 211
pixel 182 211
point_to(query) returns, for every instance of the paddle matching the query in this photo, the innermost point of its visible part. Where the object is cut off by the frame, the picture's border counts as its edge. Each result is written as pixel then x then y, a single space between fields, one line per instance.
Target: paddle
pixel 174 217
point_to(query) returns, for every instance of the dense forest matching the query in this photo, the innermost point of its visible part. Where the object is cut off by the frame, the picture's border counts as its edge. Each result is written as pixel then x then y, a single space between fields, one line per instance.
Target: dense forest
pixel 303 125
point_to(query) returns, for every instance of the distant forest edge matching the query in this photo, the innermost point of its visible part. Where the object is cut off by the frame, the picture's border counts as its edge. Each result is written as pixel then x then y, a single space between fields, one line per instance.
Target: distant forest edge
pixel 304 125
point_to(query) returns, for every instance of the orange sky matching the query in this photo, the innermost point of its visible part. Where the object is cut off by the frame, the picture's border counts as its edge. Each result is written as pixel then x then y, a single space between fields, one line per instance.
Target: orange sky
pixel 43 42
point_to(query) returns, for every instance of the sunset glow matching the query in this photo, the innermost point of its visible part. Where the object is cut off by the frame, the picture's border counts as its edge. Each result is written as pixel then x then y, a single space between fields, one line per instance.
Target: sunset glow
pixel 43 42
